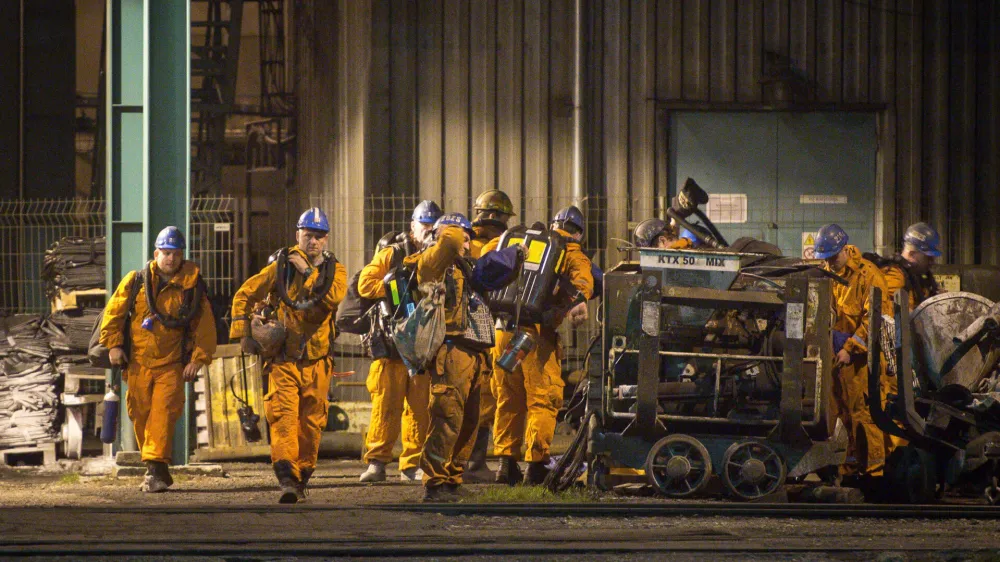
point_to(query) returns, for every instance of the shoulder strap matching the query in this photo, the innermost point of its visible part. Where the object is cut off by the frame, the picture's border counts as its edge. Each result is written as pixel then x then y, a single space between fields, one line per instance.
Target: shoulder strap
pixel 133 289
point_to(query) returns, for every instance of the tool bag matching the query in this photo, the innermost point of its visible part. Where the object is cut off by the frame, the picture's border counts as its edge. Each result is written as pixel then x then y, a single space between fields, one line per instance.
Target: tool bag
pixel 479 334
pixel 355 313
pixel 419 335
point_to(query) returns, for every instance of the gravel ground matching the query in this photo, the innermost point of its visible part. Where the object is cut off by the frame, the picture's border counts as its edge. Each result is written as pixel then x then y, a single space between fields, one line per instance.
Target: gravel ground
pixel 62 512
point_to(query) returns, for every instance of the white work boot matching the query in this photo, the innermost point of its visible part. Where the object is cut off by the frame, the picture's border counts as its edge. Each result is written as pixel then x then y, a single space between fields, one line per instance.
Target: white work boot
pixel 412 474
pixel 374 473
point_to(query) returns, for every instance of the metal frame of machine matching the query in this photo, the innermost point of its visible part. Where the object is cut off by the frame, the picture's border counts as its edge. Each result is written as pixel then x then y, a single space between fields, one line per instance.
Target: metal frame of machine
pixel 676 395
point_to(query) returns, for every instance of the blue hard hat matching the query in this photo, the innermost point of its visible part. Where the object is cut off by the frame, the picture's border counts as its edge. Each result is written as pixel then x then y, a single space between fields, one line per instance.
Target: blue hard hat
pixel 830 241
pixel 924 238
pixel 314 219
pixel 570 215
pixel 427 212
pixel 454 219
pixel 170 238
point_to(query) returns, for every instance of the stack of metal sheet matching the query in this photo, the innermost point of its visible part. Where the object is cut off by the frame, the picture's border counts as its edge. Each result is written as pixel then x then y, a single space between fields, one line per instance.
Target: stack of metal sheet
pixel 74 264
pixel 69 331
pixel 29 395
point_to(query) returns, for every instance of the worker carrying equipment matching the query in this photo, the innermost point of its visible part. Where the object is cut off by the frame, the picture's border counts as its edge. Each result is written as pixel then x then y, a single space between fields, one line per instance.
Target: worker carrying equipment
pixel 158 327
pixel 529 396
pixel 850 382
pixel 305 284
pixel 399 402
pixel 911 269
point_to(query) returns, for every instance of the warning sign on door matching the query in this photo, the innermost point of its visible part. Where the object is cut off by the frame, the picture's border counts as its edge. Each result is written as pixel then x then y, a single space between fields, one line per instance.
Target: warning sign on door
pixel 808 245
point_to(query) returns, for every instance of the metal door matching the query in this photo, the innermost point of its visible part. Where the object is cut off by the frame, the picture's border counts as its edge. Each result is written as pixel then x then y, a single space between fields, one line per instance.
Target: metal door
pixel 780 176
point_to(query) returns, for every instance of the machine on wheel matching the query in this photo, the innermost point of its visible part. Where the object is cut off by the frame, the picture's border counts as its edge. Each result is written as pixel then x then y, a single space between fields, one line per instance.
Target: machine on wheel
pixel 948 404
pixel 714 363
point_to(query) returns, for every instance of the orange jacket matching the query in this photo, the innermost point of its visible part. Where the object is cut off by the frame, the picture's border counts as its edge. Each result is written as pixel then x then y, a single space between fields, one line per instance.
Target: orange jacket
pixel 370 280
pixel 577 267
pixel 160 346
pixel 851 302
pixel 435 263
pixel 313 324
pixel 485 235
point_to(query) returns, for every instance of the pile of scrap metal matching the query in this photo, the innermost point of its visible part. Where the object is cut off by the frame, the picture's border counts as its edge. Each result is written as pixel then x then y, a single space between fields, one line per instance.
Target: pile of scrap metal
pixel 948 405
pixel 29 397
pixel 74 264
pixel 713 362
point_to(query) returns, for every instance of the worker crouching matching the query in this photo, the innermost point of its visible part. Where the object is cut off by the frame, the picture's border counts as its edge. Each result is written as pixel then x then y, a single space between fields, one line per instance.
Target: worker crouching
pixel 171 333
pixel 284 314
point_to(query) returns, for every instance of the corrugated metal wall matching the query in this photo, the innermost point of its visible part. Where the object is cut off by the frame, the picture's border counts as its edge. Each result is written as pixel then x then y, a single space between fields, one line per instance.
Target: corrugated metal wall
pixel 445 98
pixel 929 69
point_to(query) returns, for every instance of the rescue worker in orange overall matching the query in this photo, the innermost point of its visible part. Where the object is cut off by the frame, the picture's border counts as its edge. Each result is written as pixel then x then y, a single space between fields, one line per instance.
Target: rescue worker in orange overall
pixel 911 269
pixel 454 374
pixel 304 284
pixel 399 402
pixel 656 233
pixel 493 211
pixel 529 398
pixel 172 333
pixel 867 443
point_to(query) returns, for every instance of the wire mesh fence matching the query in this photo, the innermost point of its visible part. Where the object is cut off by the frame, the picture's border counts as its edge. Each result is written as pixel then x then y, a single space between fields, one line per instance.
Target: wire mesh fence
pixel 30 227
pixel 27 229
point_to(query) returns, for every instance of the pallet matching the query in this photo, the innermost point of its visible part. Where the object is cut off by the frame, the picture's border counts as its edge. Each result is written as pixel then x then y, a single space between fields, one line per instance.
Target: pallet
pixel 68 300
pixel 11 457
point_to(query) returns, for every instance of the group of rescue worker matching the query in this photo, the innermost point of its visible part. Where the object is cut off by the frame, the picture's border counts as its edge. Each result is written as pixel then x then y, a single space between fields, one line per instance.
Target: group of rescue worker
pixel 159 329
pixel 161 332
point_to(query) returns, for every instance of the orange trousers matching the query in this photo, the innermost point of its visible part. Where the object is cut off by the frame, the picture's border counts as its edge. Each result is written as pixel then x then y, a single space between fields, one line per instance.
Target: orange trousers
pixel 296 407
pixel 528 399
pixel 154 401
pixel 399 403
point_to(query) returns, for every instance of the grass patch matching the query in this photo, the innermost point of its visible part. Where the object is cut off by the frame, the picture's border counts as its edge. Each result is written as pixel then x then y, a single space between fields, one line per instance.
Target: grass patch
pixel 70 478
pixel 531 494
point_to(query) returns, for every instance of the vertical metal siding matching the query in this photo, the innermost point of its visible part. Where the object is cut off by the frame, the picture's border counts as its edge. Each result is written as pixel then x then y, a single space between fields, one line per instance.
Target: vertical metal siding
pixel 467 95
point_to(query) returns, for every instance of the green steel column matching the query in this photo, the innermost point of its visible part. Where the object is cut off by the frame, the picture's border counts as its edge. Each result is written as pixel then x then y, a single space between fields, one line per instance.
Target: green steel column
pixel 149 146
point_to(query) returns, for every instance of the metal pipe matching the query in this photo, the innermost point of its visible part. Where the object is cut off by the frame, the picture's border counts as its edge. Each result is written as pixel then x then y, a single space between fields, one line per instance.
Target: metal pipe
pixel 577 103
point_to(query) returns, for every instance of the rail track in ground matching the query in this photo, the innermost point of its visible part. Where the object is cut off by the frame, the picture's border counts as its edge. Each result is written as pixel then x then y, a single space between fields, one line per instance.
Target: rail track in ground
pixel 524 530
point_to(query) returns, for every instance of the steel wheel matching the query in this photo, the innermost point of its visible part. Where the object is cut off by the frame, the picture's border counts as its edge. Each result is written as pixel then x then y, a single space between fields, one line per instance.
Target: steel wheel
pixel 913 473
pixel 751 470
pixel 678 466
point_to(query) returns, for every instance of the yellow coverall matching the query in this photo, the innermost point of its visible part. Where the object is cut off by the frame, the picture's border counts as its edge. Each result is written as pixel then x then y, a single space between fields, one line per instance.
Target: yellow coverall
pixel 155 397
pixel 397 398
pixel 485 236
pixel 454 375
pixel 850 381
pixel 296 404
pixel 529 399
pixel 895 279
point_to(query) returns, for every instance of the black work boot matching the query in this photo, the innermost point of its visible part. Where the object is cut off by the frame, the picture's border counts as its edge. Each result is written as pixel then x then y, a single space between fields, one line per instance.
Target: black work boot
pixel 536 473
pixel 286 479
pixel 477 460
pixel 305 474
pixel 509 473
pixel 157 478
pixel 438 494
